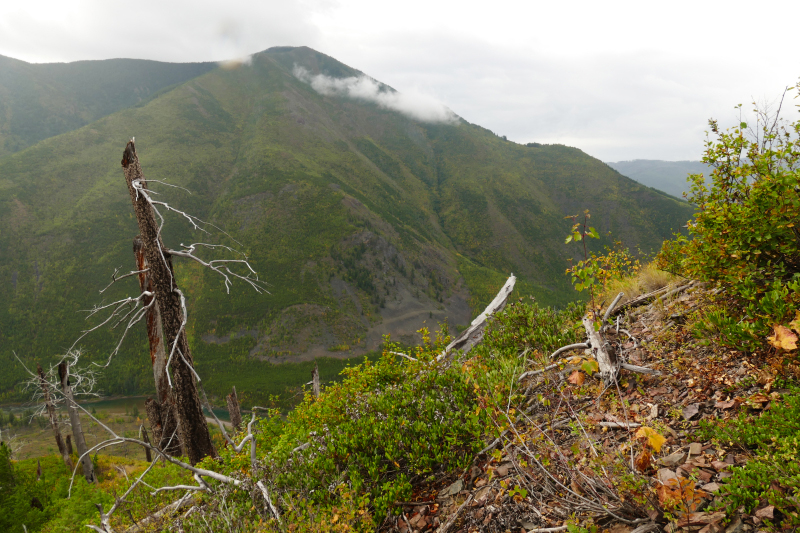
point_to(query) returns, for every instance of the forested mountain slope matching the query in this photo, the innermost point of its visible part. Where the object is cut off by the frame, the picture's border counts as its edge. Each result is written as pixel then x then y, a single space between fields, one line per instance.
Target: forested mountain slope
pixel 362 220
pixel 38 101
pixel 667 176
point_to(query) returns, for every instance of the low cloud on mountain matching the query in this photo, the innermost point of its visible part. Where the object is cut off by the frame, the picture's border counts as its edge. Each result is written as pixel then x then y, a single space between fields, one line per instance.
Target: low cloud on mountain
pixel 413 104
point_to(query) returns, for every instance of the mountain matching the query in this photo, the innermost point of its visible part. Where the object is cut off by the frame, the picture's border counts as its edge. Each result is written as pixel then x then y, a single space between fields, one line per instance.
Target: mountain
pixel 38 101
pixel 363 220
pixel 667 176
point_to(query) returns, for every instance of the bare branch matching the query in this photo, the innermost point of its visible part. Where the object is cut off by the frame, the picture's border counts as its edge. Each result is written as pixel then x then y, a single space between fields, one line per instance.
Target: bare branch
pixel 115 278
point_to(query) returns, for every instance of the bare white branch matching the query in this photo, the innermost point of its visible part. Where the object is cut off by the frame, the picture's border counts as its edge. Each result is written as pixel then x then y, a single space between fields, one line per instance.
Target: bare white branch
pixel 220 266
pixel 115 278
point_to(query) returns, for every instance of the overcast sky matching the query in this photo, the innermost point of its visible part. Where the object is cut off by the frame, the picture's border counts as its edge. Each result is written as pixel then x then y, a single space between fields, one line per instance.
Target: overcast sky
pixel 619 79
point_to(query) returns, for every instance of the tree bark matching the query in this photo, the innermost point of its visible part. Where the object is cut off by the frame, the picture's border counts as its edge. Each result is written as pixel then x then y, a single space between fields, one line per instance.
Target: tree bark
pixel 70 451
pixel 606 359
pixel 191 421
pixel 315 381
pixel 51 413
pixel 158 359
pixel 75 421
pixel 145 438
pixel 154 416
pixel 234 411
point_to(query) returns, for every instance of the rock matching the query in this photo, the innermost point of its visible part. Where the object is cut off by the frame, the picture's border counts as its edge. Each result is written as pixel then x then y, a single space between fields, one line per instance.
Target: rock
pixel 695 448
pixel 674 459
pixel 482 495
pixel 766 513
pixel 705 475
pixel 711 487
pixel 664 475
pixel 736 526
pixel 502 470
pixel 453 489
pixel 719 466
pixel 691 411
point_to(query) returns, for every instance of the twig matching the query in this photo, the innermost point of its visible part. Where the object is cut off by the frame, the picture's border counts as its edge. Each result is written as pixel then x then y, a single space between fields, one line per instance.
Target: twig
pixel 447 525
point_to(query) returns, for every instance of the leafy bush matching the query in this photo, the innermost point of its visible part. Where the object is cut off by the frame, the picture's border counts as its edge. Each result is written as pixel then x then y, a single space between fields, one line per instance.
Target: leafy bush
pixel 393 422
pixel 745 234
pixel 773 476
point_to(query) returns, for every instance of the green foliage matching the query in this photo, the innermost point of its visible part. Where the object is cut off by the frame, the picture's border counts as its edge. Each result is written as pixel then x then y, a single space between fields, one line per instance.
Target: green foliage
pixel 45 504
pixel 385 423
pixel 528 326
pixel 745 233
pixel 393 420
pixel 773 475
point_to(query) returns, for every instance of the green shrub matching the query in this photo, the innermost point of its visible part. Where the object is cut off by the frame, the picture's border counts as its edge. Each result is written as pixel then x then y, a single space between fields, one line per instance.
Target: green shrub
pixel 386 423
pixel 773 475
pixel 745 234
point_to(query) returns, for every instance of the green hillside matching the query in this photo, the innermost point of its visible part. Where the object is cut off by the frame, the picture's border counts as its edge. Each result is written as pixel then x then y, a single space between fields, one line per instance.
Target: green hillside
pixel 363 222
pixel 38 101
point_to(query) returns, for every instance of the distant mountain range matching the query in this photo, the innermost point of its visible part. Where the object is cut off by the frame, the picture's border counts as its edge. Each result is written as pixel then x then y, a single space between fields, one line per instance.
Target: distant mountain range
pixel 667 176
pixel 366 216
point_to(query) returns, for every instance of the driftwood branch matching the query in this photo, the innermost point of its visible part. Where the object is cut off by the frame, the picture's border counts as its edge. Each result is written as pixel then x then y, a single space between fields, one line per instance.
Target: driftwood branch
pixel 474 333
pixel 602 352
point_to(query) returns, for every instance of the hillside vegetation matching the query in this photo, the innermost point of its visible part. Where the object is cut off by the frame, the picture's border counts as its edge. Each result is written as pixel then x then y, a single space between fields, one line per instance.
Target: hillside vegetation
pixel 700 431
pixel 363 221
pixel 38 101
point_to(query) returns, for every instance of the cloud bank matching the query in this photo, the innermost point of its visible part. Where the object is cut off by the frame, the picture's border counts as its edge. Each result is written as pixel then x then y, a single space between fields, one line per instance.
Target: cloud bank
pixel 413 104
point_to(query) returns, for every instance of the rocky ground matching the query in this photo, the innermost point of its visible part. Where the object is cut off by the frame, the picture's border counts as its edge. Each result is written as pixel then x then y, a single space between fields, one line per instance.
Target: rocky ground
pixel 626 457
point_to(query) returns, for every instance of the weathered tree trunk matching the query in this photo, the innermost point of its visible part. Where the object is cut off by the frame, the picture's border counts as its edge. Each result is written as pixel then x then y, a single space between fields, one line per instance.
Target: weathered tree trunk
pixel 51 413
pixel 606 359
pixel 234 411
pixel 70 450
pixel 75 421
pixel 191 421
pixel 145 438
pixel 474 333
pixel 154 416
pixel 158 358
pixel 315 381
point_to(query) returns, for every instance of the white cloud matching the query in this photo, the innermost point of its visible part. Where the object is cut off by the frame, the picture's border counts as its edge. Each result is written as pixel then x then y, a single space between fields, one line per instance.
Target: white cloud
pixel 414 104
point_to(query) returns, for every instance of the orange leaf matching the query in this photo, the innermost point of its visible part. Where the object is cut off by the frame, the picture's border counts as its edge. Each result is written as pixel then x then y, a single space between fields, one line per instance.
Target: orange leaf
pixel 783 339
pixel 576 378
pixel 654 438
pixel 644 461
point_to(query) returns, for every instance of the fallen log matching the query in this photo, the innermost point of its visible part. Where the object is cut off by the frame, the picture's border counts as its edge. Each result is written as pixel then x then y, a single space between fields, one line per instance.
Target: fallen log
pixel 474 333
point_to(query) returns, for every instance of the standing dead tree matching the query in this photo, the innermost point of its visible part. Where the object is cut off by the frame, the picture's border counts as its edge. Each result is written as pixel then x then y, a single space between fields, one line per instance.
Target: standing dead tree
pixel 234 411
pixel 75 421
pixel 315 381
pixel 51 413
pixel 171 303
pixel 161 411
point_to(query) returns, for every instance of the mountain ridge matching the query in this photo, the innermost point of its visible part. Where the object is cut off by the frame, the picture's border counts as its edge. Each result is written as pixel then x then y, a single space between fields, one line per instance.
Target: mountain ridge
pixel 363 220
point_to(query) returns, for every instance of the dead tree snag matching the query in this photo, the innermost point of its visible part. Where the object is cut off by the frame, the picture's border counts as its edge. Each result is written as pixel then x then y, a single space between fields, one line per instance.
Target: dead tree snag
pixel 315 381
pixel 51 413
pixel 75 421
pixel 167 438
pixel 191 421
pixel 234 411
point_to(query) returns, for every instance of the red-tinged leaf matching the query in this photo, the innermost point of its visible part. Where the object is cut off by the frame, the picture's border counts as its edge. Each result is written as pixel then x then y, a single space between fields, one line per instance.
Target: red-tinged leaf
pixel 577 378
pixel 643 461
